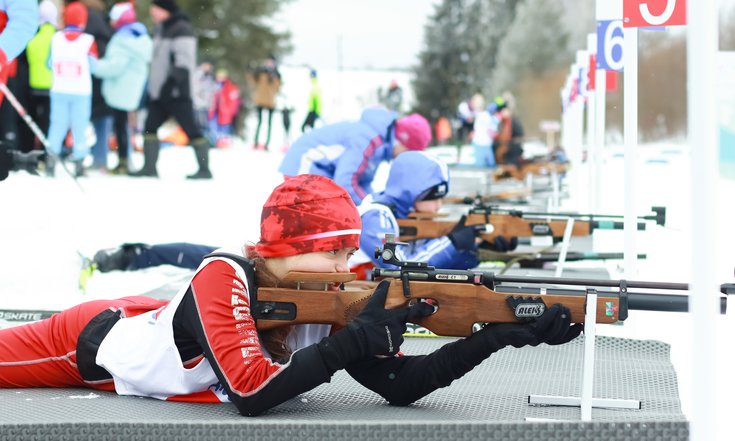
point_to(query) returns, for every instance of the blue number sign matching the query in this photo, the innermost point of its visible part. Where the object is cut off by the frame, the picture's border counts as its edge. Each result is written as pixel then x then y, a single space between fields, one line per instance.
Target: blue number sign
pixel 610 45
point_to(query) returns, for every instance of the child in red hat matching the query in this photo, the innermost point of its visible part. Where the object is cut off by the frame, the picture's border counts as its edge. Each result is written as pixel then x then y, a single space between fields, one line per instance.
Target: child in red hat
pixel 204 345
pixel 72 59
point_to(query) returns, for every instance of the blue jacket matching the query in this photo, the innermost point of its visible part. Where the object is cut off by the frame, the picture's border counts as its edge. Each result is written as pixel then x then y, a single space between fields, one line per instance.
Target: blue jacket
pixel 347 152
pixel 411 174
pixel 124 68
pixel 21 27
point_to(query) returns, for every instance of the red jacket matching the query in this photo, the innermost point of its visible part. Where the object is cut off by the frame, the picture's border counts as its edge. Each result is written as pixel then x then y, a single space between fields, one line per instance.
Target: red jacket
pixel 226 103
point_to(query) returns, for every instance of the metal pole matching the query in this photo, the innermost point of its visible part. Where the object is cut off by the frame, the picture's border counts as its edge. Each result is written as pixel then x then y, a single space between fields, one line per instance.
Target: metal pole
pixel 703 144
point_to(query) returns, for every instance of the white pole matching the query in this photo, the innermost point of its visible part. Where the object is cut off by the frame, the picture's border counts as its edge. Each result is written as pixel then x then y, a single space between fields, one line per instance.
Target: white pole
pixel 588 370
pixel 703 144
pixel 630 137
pixel 564 247
pixel 591 127
pixel 600 85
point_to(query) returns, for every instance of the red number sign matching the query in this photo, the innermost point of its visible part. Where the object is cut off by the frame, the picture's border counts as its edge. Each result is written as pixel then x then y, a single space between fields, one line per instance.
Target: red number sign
pixel 646 13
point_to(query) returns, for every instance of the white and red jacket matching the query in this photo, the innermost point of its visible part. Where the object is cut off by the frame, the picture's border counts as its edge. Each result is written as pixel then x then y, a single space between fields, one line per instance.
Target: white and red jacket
pixel 140 352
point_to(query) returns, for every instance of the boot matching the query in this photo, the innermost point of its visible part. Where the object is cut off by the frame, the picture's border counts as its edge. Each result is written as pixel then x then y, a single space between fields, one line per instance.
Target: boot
pixel 151 145
pixel 201 149
pixel 79 168
pixel 111 259
pixel 122 167
pixel 50 165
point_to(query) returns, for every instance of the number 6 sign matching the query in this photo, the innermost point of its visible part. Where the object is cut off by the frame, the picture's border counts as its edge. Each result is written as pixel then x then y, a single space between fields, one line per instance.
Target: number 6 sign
pixel 610 45
pixel 645 13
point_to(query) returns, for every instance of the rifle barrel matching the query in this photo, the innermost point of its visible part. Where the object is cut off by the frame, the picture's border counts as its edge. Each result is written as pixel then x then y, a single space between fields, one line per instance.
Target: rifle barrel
pixel 636 300
pixel 592 282
pixel 659 216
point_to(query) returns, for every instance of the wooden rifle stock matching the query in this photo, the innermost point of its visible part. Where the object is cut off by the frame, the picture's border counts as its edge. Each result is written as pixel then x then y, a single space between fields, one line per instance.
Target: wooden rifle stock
pixel 460 305
pixel 463 298
pixel 507 225
pixel 513 224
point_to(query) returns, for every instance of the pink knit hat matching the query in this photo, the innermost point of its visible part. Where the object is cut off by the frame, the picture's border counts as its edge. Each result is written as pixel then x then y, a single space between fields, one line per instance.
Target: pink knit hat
pixel 123 13
pixel 413 131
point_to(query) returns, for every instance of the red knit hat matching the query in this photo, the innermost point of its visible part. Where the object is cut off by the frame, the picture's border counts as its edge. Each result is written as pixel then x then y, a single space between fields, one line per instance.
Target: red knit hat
pixel 75 14
pixel 413 131
pixel 305 214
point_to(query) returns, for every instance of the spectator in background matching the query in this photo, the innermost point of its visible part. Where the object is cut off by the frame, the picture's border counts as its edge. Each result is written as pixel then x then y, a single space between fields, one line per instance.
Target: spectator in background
pixel 508 142
pixel 225 105
pixel 267 82
pixel 442 129
pixel 73 53
pixel 393 99
pixel 99 27
pixel 39 72
pixel 124 71
pixel 203 96
pixel 314 109
pixel 466 119
pixel 286 109
pixel 19 24
pixel 483 131
pixel 350 152
pixel 170 87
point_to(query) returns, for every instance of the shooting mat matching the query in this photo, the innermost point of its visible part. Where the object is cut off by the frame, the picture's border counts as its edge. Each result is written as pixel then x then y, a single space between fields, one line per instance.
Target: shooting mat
pixel 488 403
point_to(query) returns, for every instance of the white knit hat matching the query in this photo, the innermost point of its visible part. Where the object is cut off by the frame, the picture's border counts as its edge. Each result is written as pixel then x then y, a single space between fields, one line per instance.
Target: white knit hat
pixel 48 13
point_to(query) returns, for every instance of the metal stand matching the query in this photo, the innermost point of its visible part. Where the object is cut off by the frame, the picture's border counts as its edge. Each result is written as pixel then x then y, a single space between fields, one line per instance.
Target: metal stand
pixel 586 402
pixel 555 189
pixel 564 247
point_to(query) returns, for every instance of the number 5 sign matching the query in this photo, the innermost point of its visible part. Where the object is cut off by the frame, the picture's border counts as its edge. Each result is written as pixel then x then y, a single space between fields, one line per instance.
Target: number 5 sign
pixel 645 13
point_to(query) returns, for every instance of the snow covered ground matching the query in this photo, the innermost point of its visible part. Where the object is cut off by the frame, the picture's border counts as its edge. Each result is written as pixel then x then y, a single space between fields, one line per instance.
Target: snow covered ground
pixel 44 222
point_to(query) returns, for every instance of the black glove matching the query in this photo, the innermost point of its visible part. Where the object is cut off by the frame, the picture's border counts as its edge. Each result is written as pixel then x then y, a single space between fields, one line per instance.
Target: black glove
pixel 463 236
pixel 553 328
pixel 502 244
pixel 375 331
pixel 28 161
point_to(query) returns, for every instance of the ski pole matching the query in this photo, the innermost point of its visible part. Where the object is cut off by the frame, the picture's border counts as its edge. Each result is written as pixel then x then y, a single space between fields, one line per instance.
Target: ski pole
pixel 34 128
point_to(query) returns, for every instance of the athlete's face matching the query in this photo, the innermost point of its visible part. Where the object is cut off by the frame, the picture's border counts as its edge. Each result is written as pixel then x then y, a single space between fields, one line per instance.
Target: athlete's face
pixel 430 206
pixel 318 262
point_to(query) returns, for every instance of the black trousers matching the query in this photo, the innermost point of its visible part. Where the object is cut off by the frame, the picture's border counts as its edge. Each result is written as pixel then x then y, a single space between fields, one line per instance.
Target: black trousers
pixel 309 121
pixel 181 109
pixel 122 132
pixel 260 119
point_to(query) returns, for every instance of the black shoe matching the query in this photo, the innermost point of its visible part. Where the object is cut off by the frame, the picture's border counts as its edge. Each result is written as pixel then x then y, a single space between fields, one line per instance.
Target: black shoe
pixel 112 259
pixel 201 174
pixel 143 173
pixel 121 169
pixel 79 170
